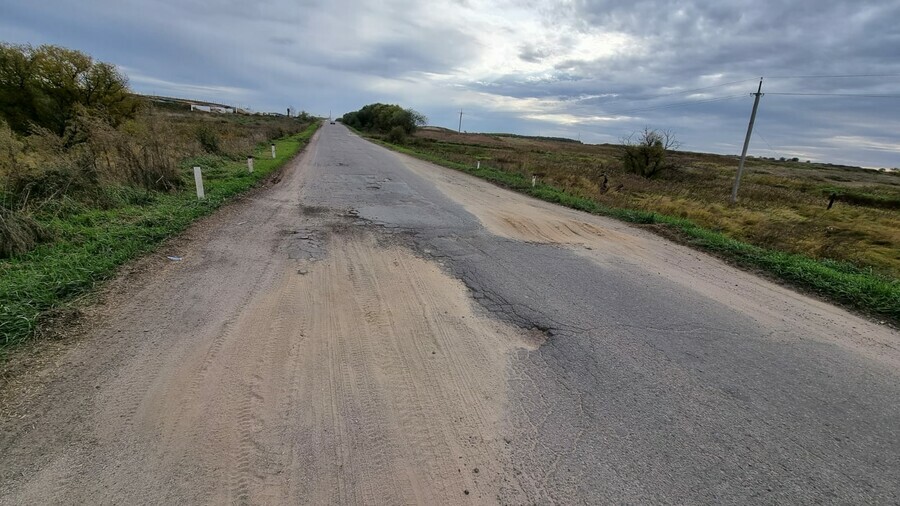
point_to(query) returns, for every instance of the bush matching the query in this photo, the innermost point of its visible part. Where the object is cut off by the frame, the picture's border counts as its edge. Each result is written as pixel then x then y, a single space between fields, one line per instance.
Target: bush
pixel 397 135
pixel 208 140
pixel 645 152
pixel 10 150
pixel 142 152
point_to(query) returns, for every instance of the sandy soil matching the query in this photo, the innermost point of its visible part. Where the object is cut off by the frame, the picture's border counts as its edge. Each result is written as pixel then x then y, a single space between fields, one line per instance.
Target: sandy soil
pixel 612 243
pixel 290 357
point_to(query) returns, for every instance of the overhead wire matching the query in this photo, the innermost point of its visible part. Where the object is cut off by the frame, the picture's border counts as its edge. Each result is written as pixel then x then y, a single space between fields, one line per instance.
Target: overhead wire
pixel 835 76
pixel 697 89
pixel 677 104
pixel 773 150
pixel 866 95
pixel 731 97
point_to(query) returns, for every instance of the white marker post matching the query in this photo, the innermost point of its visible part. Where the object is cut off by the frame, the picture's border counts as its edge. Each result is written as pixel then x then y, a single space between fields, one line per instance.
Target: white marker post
pixel 250 164
pixel 533 181
pixel 273 150
pixel 198 180
pixel 478 164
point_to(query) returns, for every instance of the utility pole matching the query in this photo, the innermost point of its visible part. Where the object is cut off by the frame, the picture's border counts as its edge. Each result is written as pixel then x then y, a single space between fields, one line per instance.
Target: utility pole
pixel 459 131
pixel 737 179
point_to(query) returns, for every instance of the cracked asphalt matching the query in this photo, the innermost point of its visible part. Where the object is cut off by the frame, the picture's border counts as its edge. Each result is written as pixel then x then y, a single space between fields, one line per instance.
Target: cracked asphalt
pixel 646 389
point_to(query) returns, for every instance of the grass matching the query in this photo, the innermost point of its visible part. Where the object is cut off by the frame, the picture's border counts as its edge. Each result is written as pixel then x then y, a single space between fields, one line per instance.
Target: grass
pixel 863 288
pixel 782 205
pixel 90 243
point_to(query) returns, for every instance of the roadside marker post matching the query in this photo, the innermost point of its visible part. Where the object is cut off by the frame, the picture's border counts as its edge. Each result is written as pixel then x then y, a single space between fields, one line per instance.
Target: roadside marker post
pixel 250 163
pixel 478 164
pixel 198 180
pixel 273 150
pixel 533 181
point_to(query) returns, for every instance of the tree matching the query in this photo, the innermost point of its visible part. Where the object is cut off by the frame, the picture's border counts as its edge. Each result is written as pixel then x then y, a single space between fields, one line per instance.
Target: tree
pixel 646 151
pixel 45 86
pixel 17 86
pixel 383 118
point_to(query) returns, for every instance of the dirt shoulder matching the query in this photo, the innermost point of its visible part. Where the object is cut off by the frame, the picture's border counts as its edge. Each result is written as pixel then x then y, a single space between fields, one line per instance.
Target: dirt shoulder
pixel 289 354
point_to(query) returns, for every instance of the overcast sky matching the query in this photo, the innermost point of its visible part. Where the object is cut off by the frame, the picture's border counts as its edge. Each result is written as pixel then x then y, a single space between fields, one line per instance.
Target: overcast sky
pixel 594 70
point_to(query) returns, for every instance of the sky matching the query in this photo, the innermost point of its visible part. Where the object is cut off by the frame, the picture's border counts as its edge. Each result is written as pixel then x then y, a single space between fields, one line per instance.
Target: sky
pixel 590 70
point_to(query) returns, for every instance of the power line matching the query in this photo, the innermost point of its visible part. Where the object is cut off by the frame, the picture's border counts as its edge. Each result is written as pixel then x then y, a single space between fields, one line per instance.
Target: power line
pixel 705 88
pixel 832 76
pixel 773 150
pixel 867 95
pixel 836 76
pixel 698 89
pixel 678 104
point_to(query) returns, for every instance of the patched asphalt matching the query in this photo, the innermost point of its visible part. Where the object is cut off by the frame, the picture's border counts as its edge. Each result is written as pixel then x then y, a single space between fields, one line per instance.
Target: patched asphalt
pixel 642 391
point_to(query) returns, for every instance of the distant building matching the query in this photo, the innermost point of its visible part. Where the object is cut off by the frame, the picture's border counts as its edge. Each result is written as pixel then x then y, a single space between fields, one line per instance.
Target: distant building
pixel 212 108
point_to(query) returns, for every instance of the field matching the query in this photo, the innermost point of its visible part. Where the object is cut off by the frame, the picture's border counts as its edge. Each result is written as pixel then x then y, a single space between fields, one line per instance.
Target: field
pixel 88 230
pixel 781 225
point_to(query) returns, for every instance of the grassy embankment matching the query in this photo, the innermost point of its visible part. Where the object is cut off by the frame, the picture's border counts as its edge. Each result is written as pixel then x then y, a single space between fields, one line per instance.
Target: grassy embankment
pixel 849 254
pixel 90 243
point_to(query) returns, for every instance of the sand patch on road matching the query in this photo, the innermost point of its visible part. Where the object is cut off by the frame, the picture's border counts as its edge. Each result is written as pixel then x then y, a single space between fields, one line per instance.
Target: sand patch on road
pixel 362 378
pixel 617 245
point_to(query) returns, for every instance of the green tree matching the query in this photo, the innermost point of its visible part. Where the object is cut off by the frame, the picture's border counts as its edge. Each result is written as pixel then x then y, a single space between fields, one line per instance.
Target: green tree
pixel 45 86
pixel 383 118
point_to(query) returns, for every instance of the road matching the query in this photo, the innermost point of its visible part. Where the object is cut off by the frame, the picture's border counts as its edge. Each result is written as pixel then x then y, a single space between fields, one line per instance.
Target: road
pixel 372 329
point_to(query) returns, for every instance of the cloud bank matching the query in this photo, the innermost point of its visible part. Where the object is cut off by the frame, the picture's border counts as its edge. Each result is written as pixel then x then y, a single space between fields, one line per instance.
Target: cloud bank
pixel 597 70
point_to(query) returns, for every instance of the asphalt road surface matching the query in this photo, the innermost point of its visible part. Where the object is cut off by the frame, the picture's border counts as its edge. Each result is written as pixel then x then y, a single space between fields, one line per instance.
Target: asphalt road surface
pixel 372 329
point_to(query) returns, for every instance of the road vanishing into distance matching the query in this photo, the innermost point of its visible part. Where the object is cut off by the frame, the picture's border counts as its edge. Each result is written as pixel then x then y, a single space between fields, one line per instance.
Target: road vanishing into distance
pixel 373 329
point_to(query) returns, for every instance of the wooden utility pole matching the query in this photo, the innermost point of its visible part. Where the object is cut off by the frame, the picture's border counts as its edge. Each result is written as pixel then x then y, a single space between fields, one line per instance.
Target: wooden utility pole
pixel 737 179
pixel 459 131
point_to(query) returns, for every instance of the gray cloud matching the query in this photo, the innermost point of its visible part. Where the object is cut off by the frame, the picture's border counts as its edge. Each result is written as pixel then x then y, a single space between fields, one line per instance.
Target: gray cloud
pixel 598 69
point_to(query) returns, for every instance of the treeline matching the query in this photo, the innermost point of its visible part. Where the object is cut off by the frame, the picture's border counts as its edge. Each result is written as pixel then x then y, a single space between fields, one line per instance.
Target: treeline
pixel 535 137
pixel 386 119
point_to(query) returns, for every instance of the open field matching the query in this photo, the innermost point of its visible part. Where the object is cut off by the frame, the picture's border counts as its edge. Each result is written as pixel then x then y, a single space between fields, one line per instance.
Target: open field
pixel 782 205
pixel 88 232
pixel 849 254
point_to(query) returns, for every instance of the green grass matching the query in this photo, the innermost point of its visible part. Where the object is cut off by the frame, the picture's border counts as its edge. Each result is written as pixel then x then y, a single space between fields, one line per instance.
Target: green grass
pixel 92 243
pixel 842 282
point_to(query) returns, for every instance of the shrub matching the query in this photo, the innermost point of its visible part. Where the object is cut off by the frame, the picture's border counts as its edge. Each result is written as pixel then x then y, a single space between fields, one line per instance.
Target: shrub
pixel 142 152
pixel 645 152
pixel 397 135
pixel 10 150
pixel 208 139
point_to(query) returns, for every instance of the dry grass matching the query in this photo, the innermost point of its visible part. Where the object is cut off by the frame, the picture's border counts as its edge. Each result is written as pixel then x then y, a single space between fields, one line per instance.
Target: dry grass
pixel 19 232
pixel 45 176
pixel 782 204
